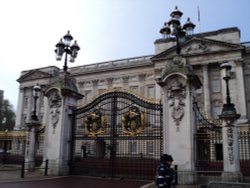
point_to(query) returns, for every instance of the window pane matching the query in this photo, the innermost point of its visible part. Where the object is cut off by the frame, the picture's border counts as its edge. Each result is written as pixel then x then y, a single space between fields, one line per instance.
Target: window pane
pixel 215 85
pixel 151 91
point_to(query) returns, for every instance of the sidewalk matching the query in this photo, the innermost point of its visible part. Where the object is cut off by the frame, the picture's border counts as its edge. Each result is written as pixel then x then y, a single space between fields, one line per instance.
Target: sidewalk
pixel 13 175
pixel 78 182
pixel 152 185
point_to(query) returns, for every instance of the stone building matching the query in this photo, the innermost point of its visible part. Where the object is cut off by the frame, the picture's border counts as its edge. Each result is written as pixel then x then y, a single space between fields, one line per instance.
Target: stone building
pixel 204 51
pixel 146 77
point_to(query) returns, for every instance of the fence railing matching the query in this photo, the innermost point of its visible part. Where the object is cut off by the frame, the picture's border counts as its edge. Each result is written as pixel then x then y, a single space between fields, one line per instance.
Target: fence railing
pixel 39 169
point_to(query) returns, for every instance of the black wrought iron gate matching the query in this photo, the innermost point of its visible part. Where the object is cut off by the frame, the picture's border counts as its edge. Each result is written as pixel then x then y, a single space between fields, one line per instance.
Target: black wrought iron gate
pixel 117 135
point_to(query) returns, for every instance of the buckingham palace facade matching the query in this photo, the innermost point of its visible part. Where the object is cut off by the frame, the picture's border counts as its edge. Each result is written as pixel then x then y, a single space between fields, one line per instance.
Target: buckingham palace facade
pixel 204 51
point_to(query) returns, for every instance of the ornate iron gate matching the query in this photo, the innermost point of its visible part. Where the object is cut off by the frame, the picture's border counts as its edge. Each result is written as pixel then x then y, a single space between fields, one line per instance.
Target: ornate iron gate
pixel 117 135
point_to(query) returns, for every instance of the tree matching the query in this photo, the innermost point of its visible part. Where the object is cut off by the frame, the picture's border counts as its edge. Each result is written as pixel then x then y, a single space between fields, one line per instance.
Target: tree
pixel 7 116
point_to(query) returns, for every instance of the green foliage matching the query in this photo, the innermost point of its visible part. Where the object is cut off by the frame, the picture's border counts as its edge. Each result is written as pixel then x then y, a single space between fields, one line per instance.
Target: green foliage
pixel 7 116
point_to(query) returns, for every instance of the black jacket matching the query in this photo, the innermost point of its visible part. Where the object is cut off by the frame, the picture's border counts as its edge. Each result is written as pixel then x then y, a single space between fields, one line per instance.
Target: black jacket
pixel 165 176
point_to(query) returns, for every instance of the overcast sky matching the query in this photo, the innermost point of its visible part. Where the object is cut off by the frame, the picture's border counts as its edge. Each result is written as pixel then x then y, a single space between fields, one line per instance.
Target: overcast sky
pixel 104 29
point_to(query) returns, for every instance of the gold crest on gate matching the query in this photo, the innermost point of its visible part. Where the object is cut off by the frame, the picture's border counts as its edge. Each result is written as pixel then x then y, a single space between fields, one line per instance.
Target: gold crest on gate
pixel 95 123
pixel 133 122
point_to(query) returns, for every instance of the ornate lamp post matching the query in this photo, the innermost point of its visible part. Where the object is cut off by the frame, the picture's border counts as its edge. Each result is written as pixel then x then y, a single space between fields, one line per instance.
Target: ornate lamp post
pixel 36 93
pixel 173 28
pixel 228 111
pixel 32 125
pixel 229 116
pixel 64 46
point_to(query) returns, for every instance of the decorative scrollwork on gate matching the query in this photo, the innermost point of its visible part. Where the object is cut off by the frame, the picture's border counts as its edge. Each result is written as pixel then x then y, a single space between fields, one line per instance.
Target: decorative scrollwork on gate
pixel 133 122
pixel 95 123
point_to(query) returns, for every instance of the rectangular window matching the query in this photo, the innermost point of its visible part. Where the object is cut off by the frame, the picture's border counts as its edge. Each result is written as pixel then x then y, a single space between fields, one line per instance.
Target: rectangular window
pixel 26 102
pixel 87 95
pixel 151 91
pixel 132 147
pixel 216 86
pixel 216 110
pixel 150 147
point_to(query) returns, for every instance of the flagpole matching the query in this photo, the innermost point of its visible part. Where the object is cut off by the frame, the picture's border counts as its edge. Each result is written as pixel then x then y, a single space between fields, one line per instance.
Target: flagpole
pixel 199 18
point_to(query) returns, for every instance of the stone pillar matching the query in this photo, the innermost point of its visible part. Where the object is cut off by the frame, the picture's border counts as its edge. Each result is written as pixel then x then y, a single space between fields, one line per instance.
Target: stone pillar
pixel 207 100
pixel 178 127
pixel 125 80
pixel 110 82
pixel 231 160
pixel 94 87
pixel 229 117
pixel 30 153
pixel 18 125
pixel 178 92
pixel 240 98
pixel 62 99
pixel 142 80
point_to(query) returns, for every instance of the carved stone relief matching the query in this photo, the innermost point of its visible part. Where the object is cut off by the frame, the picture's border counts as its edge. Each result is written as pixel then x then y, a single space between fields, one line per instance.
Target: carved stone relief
pixel 55 104
pixel 197 47
pixel 178 64
pixel 230 144
pixel 176 94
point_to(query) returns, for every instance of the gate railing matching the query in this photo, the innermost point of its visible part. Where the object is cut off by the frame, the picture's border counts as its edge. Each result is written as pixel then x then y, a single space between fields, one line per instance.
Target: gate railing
pixel 209 148
pixel 127 144
pixel 12 146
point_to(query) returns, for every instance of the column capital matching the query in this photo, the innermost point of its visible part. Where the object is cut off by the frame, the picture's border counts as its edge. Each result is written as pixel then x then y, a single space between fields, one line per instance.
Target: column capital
pixel 142 77
pixel 95 82
pixel 239 63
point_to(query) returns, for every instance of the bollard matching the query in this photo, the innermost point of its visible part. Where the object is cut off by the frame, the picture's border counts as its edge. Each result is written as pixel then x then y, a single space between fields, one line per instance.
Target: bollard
pixel 176 174
pixel 22 170
pixel 46 167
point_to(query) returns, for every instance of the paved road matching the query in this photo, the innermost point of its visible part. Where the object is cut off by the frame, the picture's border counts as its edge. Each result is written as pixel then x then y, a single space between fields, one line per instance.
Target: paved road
pixel 73 182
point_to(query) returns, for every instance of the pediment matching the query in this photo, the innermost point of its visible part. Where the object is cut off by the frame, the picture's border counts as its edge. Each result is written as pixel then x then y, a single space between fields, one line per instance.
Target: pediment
pixel 33 75
pixel 199 46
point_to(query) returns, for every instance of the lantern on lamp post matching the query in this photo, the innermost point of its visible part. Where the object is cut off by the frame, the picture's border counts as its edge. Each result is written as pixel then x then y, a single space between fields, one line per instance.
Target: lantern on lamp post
pixel 173 28
pixel 36 93
pixel 64 46
pixel 228 113
pixel 231 157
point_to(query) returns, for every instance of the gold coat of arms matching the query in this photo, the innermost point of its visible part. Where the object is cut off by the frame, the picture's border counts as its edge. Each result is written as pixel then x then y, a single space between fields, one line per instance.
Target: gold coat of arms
pixel 95 123
pixel 133 122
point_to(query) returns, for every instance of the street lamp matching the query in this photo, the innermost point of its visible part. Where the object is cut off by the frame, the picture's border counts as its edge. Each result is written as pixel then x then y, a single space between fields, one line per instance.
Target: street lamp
pixel 64 45
pixel 36 93
pixel 228 111
pixel 173 28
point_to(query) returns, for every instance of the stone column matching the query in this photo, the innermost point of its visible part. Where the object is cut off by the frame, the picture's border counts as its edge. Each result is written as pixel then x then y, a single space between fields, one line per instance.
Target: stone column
pixel 207 100
pixel 30 153
pixel 142 80
pixel 62 100
pixel 94 87
pixel 178 129
pixel 240 98
pixel 178 85
pixel 231 160
pixel 125 80
pixel 19 109
pixel 110 82
pixel 229 118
